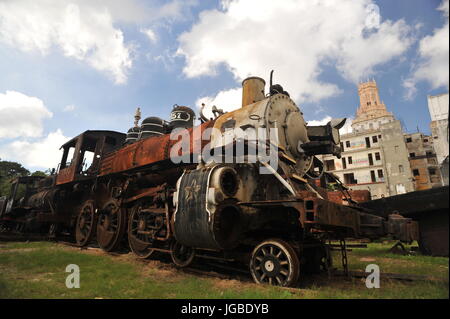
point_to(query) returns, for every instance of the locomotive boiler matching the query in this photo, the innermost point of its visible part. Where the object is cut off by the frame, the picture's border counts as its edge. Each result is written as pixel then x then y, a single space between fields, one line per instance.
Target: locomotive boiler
pixel 240 186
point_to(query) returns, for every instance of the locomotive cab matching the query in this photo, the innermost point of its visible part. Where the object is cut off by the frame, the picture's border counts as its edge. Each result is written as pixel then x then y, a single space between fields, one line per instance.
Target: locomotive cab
pixel 85 152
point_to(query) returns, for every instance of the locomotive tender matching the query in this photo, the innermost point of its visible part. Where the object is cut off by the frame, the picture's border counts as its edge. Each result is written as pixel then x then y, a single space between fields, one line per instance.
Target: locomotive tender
pixel 265 211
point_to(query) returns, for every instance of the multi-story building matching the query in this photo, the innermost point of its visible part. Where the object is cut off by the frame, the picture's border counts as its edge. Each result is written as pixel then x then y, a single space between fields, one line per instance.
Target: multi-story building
pixel 438 107
pixel 423 161
pixel 375 156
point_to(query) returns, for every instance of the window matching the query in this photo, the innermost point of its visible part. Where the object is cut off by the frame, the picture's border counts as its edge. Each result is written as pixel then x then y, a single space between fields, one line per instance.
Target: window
pixel 433 177
pixel 350 179
pixel 344 164
pixel 372 176
pixel 408 140
pixel 425 140
pixel 379 137
pixel 347 143
pixel 329 164
pixel 380 173
pixel 370 159
pixel 374 139
pixel 342 146
pixel 377 156
pixel 416 172
pixel 400 169
pixel 367 142
pixel 70 156
pixel 350 160
pixel 88 158
pixel 412 154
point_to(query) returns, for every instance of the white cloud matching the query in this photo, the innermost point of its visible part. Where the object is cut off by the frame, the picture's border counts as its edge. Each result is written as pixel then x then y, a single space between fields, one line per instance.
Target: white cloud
pixel 21 115
pixel 323 121
pixel 151 35
pixel 411 90
pixel 297 39
pixel 227 100
pixel 39 154
pixel 347 128
pixel 69 108
pixel 434 58
pixel 80 30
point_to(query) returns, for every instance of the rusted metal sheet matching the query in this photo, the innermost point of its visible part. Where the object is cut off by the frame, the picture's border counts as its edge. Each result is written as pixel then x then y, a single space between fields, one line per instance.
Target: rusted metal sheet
pixel 358 196
pixel 328 215
pixel 66 175
pixel 149 151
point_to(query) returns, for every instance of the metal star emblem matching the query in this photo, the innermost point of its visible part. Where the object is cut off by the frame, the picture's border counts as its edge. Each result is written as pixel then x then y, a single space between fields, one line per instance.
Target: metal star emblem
pixel 191 191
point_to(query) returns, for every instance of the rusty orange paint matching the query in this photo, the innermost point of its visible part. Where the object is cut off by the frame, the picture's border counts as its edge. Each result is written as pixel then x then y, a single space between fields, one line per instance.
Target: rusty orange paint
pixel 151 150
pixel 66 175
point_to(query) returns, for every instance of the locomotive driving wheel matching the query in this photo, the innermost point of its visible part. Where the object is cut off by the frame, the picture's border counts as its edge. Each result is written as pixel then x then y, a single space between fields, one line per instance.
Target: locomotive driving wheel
pixel 111 225
pixel 275 262
pixel 85 226
pixel 182 256
pixel 140 241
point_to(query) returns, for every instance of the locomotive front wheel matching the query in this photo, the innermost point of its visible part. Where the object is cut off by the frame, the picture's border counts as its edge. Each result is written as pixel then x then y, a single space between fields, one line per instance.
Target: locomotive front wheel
pixel 182 256
pixel 275 262
pixel 140 242
pixel 111 225
pixel 86 221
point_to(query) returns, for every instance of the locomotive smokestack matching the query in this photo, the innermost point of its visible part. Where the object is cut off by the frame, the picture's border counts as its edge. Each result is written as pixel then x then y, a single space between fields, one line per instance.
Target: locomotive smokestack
pixel 252 90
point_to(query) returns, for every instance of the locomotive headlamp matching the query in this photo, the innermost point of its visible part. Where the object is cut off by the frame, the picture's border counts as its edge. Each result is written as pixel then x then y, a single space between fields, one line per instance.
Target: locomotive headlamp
pixel 324 139
pixel 335 125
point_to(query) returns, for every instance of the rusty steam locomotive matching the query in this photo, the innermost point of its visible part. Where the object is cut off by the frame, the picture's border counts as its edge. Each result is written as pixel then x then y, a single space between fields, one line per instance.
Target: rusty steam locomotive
pixel 135 193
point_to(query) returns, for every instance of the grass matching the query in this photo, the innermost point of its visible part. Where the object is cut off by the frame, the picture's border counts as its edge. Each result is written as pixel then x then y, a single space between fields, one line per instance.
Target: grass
pixel 37 270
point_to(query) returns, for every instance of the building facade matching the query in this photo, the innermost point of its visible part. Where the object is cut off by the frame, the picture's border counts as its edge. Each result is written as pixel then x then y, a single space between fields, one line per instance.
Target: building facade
pixel 438 106
pixel 423 161
pixel 374 155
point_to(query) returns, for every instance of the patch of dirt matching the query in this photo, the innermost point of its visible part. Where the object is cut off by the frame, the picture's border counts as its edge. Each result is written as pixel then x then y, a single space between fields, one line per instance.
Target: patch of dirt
pixel 223 284
pixel 41 277
pixel 17 250
pixel 368 259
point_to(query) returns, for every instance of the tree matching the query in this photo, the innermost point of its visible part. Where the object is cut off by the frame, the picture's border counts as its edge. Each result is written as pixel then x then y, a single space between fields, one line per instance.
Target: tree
pixel 39 173
pixel 8 171
pixel 12 169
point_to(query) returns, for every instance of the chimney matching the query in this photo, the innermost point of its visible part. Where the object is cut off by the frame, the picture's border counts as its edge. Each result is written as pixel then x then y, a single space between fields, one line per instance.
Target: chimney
pixel 252 90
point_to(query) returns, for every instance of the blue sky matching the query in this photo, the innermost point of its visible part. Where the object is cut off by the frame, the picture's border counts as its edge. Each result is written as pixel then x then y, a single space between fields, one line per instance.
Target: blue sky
pixel 70 66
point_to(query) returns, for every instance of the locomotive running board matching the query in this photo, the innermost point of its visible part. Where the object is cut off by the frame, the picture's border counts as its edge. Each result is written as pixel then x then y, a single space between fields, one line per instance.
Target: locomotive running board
pixel 274 202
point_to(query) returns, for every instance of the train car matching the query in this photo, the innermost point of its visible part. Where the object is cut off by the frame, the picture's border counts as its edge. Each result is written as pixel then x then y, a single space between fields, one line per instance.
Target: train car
pixel 239 186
